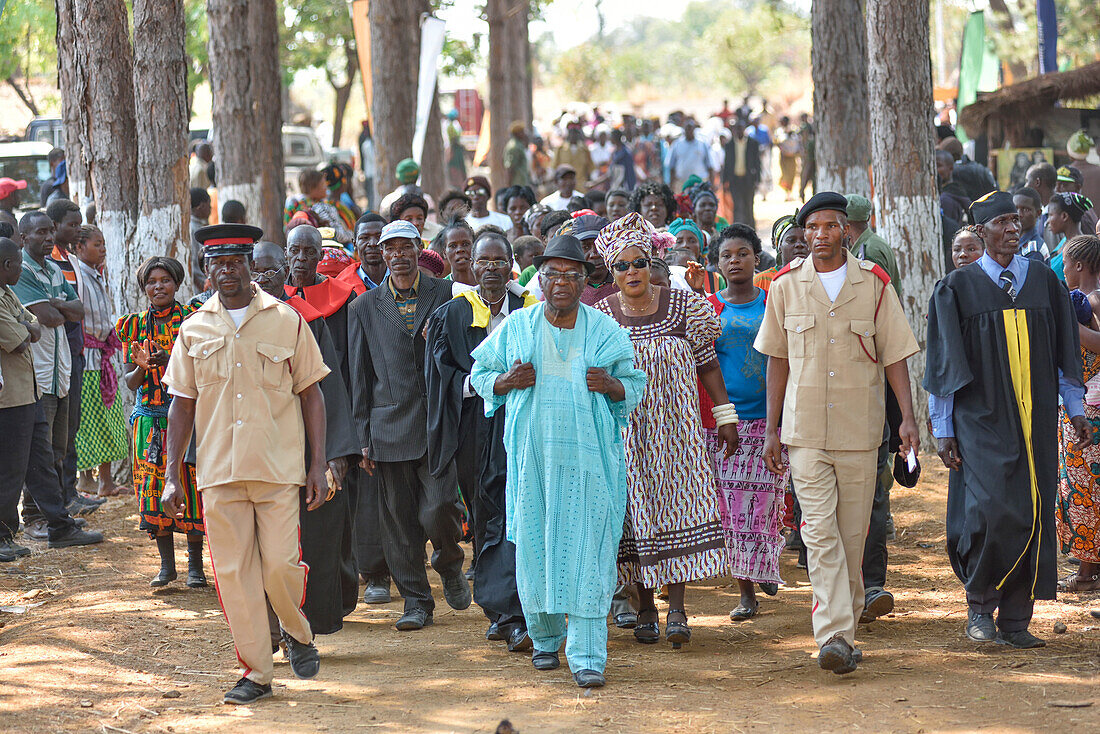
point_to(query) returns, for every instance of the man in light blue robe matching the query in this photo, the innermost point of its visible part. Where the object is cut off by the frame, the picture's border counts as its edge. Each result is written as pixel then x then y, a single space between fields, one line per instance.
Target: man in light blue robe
pixel 566 374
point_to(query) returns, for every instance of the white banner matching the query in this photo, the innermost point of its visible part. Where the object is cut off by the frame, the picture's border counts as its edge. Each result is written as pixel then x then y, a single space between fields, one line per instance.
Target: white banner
pixel 431 46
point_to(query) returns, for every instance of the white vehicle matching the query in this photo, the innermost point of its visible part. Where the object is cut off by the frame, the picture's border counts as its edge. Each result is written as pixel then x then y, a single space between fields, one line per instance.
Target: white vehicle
pixel 301 150
pixel 26 161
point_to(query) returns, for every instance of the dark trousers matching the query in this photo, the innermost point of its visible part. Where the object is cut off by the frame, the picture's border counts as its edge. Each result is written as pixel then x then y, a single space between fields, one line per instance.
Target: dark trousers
pixel 76 384
pixel 56 415
pixel 809 176
pixel 369 556
pixel 467 463
pixel 415 507
pixel 1013 602
pixel 742 191
pixel 27 459
pixel 874 551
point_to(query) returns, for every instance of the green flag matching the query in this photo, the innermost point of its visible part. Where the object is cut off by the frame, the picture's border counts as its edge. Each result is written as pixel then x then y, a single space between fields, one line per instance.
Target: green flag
pixel 979 69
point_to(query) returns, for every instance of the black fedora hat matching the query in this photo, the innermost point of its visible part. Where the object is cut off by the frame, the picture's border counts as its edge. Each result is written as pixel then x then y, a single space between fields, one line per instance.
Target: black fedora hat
pixel 903 475
pixel 565 247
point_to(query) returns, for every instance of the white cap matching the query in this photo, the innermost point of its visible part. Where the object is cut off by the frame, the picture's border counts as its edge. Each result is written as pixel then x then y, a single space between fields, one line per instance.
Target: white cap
pixel 399 228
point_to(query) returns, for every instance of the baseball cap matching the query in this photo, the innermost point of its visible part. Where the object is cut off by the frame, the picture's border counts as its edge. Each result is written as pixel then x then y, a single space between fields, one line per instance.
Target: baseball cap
pixel 399 228
pixel 1069 174
pixel 9 185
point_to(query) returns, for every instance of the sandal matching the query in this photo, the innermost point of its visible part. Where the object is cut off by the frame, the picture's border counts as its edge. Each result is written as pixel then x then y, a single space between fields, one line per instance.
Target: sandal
pixel 677 633
pixel 743 612
pixel 1076 584
pixel 648 633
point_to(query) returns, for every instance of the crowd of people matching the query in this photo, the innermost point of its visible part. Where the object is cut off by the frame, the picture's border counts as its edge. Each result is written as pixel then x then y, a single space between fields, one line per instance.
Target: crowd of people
pixel 609 392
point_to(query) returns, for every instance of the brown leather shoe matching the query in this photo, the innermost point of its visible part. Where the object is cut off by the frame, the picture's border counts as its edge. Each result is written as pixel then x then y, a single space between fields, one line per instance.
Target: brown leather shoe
pixel 836 655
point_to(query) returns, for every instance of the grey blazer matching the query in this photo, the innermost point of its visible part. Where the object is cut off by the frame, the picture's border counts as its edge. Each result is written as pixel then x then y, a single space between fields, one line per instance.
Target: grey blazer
pixel 389 396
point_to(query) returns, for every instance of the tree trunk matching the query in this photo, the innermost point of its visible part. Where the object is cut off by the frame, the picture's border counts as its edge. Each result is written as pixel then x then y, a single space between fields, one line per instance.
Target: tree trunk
pixel 395 49
pixel 839 57
pixel 246 113
pixel 24 95
pixel 343 92
pixel 160 103
pixel 72 78
pixel 103 48
pixel 903 163
pixel 267 90
pixel 433 177
pixel 507 77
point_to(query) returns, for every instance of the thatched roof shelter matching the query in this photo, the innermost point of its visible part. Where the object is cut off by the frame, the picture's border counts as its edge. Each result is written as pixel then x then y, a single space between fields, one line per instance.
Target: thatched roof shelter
pixel 1015 108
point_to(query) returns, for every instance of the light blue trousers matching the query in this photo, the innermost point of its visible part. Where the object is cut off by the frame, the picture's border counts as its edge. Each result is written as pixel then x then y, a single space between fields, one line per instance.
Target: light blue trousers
pixel 585 638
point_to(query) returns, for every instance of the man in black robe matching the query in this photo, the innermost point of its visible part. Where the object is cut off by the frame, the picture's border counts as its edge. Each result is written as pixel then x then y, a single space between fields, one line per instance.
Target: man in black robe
pixel 332 582
pixel 1002 348
pixel 460 433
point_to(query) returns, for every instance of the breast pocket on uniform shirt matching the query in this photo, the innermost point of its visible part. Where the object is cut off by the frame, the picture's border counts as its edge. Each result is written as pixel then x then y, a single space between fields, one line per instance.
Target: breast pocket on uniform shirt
pixel 863 341
pixel 800 334
pixel 209 357
pixel 274 365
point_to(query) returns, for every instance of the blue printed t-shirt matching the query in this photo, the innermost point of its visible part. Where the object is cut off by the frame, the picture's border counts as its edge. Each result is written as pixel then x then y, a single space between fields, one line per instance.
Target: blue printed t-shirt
pixel 743 368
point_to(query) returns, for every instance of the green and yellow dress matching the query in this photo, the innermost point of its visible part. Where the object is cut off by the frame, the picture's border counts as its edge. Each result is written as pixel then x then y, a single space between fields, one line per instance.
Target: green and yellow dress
pixel 149 423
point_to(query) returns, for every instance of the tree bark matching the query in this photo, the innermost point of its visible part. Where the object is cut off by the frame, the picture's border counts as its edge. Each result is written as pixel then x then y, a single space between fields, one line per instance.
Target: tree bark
pixel 72 78
pixel 246 110
pixel 160 103
pixel 103 47
pixel 904 167
pixel 343 91
pixel 507 77
pixel 395 50
pixel 839 58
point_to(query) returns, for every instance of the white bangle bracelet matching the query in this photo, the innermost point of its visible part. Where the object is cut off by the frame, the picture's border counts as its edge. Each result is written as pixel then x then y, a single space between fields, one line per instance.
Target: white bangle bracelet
pixel 725 414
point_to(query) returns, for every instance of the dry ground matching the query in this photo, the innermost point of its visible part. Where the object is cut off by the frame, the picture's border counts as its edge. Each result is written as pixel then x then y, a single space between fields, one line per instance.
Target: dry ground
pixel 105 653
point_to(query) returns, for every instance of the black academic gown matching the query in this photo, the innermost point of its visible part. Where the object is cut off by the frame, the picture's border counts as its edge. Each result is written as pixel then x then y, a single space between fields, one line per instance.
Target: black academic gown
pixel 332 585
pixel 1000 525
pixel 459 432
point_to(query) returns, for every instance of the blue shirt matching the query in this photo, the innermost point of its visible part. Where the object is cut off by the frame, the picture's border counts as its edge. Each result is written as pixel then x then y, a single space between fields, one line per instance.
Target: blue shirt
pixel 370 284
pixel 941 407
pixel 743 368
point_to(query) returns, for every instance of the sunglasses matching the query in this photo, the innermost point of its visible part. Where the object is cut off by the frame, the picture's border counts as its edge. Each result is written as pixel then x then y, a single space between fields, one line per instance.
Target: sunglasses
pixel 637 264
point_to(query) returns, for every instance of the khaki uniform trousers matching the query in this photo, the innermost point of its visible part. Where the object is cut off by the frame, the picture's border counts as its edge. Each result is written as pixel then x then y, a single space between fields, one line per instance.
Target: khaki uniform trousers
pixel 252 529
pixel 836 490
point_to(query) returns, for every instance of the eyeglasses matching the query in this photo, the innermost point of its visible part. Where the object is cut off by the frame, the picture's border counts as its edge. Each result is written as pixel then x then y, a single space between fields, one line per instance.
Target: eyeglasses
pixel 637 263
pixel 571 276
pixel 258 275
pixel 493 264
pixel 476 192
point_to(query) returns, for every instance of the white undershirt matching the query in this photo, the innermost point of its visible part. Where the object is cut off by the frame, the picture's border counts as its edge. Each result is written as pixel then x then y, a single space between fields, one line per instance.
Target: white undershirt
pixel 834 281
pixel 237 314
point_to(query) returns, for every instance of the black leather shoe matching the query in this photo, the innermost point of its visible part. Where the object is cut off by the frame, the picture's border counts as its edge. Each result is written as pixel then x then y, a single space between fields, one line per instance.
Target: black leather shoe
pixel 10 550
pixel 456 590
pixel 836 655
pixel 165 577
pixel 770 588
pixel 589 679
pixel 1022 640
pixel 495 633
pixel 519 640
pixel 545 660
pixel 37 530
pixel 878 603
pixel 414 619
pixel 626 620
pixel 246 692
pixel 980 627
pixel 377 591
pixel 76 536
pixel 305 661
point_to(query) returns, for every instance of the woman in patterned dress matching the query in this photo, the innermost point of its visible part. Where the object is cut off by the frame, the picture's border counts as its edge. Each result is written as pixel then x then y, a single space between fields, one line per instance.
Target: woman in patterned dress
pixel 147 339
pixel 750 498
pixel 1078 508
pixel 673 531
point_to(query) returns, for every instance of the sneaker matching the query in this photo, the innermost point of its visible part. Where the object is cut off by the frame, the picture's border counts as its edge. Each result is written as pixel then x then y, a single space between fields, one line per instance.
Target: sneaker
pixel 90 499
pixel 878 603
pixel 980 627
pixel 305 661
pixel 76 536
pixel 10 550
pixel 37 530
pixel 456 590
pixel 76 507
pixel 377 591
pixel 246 692
pixel 414 619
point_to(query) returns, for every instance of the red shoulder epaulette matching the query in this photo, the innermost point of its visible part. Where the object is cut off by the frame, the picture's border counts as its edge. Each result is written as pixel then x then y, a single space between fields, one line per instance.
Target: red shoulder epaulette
pixel 783 270
pixel 882 274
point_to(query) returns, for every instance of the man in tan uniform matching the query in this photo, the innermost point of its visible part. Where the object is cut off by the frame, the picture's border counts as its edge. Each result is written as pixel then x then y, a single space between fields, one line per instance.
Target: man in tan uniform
pixel 833 329
pixel 245 374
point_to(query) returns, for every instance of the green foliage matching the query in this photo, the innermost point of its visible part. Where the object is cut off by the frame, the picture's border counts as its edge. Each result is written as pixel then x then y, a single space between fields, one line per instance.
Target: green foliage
pixel 743 44
pixel 1078 21
pixel 317 34
pixel 198 60
pixel 27 45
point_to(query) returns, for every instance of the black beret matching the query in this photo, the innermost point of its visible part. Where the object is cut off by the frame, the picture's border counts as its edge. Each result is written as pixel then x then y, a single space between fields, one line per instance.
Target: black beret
pixel 991 206
pixel 822 200
pixel 228 239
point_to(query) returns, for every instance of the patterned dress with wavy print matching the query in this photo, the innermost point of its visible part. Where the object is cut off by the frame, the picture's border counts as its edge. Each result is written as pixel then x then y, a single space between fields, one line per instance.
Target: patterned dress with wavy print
pixel 1078 509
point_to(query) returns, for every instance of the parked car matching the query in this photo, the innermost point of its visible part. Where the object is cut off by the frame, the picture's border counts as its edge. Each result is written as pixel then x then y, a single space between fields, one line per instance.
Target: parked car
pixel 46 130
pixel 301 150
pixel 26 161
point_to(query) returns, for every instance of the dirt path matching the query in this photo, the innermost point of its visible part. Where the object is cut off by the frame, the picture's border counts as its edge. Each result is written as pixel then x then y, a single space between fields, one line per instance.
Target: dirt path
pixel 105 653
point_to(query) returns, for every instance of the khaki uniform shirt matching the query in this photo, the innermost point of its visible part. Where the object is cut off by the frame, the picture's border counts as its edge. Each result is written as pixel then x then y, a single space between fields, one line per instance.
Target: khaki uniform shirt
pixel 248 417
pixel 18 369
pixel 835 398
